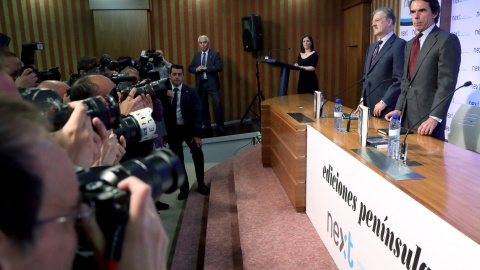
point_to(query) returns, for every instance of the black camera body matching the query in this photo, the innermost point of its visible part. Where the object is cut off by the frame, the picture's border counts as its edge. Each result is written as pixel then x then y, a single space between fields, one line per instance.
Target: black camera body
pixel 155 89
pixel 28 59
pixel 107 62
pixel 162 170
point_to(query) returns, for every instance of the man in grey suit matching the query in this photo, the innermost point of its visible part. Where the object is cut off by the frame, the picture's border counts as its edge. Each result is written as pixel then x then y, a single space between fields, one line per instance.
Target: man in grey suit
pixel 432 63
pixel 384 61
pixel 205 65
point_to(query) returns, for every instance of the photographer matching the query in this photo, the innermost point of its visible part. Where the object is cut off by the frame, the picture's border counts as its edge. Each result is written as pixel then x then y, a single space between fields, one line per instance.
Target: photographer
pixel 13 66
pixel 40 203
pixel 98 85
pixel 161 65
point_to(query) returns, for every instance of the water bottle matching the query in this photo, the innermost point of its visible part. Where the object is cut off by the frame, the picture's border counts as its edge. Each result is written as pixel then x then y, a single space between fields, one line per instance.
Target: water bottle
pixel 394 137
pixel 337 115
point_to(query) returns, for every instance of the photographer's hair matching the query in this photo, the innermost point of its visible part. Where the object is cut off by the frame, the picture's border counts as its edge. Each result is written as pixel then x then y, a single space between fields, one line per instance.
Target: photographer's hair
pixel 126 70
pixel 205 37
pixel 21 129
pixel 175 66
pixel 388 12
pixel 83 91
pixel 312 48
pixel 87 63
pixel 434 6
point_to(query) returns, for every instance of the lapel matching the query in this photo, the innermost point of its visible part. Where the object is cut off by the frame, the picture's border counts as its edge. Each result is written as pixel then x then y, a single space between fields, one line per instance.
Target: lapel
pixel 384 49
pixel 426 47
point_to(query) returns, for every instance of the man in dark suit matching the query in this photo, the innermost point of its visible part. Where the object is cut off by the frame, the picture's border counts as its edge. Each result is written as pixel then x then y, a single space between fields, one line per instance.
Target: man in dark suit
pixel 384 61
pixel 183 119
pixel 205 65
pixel 432 63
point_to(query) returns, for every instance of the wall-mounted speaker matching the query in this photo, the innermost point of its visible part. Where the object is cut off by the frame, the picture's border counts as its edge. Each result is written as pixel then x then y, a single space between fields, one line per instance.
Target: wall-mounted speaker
pixel 252 33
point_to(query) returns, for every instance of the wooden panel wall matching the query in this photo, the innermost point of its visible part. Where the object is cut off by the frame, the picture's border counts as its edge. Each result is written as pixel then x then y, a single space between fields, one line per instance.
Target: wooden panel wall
pixel 176 25
pixel 65 27
pixel 117 37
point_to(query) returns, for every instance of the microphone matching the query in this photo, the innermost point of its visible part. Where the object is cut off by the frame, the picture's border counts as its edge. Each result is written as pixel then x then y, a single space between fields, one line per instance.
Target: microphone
pixel 376 87
pixel 348 87
pixel 270 52
pixel 402 151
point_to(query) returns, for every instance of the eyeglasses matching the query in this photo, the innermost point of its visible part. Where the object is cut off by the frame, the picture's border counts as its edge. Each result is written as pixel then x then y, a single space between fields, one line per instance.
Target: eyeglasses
pixel 74 216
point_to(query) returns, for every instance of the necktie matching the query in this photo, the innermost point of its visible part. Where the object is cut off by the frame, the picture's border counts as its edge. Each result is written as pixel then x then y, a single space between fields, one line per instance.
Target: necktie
pixel 204 60
pixel 175 98
pixel 414 54
pixel 377 48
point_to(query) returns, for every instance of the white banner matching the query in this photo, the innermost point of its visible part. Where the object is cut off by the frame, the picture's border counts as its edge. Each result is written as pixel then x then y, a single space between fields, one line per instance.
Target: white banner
pixel 367 223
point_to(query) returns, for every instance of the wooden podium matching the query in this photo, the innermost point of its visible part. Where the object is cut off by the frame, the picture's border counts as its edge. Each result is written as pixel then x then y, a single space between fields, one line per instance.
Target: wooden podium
pixel 284 73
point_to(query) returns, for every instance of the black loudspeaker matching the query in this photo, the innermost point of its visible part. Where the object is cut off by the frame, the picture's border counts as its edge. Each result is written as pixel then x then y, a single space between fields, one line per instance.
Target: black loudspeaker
pixel 252 33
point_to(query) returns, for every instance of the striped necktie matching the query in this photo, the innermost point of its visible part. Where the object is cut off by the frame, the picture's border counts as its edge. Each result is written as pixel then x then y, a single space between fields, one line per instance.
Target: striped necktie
pixel 377 48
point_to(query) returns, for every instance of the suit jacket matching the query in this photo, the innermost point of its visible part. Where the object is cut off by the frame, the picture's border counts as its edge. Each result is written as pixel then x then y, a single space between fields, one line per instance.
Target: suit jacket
pixel 388 64
pixel 434 78
pixel 191 107
pixel 214 65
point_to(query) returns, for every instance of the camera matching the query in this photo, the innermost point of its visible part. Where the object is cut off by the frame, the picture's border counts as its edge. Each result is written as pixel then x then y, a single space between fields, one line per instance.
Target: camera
pixel 118 78
pixel 155 89
pixel 49 74
pixel 107 62
pixel 138 126
pixel 162 170
pixel 105 108
pixel 143 66
pixel 28 59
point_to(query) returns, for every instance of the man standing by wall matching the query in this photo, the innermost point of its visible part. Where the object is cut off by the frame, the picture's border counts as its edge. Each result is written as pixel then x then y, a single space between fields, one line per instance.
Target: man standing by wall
pixel 384 60
pixel 205 65
pixel 432 63
pixel 183 118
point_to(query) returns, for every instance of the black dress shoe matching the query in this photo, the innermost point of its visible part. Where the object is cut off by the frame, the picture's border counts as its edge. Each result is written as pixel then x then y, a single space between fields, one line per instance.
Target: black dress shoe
pixel 182 196
pixel 221 131
pixel 161 206
pixel 207 131
pixel 203 189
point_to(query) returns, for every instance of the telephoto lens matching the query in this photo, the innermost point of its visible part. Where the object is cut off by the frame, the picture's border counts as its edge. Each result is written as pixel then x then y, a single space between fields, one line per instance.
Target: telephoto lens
pixel 162 170
pixel 138 126
pixel 155 89
pixel 105 108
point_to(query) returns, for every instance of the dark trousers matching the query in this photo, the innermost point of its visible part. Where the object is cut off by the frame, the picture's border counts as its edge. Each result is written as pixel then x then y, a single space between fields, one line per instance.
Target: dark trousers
pixel 178 135
pixel 204 90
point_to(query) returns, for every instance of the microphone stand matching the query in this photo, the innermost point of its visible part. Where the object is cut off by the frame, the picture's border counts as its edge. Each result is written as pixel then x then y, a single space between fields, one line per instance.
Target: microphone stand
pixel 403 153
pixel 376 87
pixel 348 87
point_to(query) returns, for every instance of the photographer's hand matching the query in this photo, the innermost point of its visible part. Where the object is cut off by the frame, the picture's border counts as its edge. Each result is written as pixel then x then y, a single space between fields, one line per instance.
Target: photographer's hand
pixel 27 79
pixel 78 139
pixel 145 243
pixel 131 104
pixel 109 151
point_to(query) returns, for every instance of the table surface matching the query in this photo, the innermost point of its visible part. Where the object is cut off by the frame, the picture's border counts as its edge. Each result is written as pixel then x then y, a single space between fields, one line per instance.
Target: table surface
pixel 451 189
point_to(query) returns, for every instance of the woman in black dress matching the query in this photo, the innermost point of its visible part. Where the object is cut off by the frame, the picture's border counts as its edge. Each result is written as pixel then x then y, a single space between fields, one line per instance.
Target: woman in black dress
pixel 307 59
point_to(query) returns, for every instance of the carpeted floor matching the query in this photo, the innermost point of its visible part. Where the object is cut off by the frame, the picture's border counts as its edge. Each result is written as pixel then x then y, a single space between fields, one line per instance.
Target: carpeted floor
pixel 247 222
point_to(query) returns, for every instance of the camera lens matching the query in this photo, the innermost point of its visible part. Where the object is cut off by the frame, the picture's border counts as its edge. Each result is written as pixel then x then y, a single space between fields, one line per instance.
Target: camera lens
pixel 138 126
pixel 162 170
pixel 105 108
pixel 155 89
